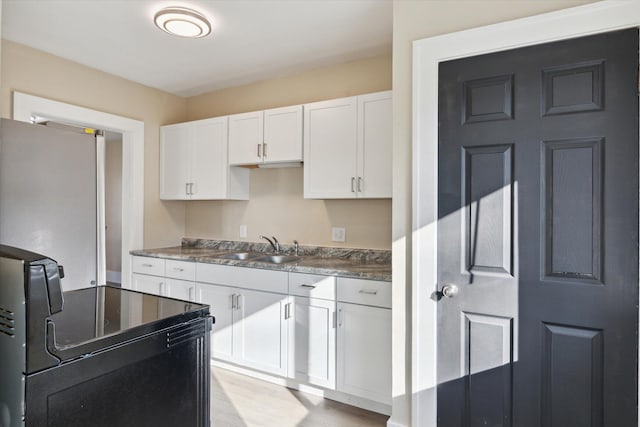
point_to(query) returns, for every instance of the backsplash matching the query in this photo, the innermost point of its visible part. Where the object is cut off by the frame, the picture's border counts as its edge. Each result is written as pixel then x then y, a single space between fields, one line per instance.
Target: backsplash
pixel 354 254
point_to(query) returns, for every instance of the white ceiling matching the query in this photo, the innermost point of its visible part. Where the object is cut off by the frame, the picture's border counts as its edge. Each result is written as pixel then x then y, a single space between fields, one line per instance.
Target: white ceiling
pixel 251 40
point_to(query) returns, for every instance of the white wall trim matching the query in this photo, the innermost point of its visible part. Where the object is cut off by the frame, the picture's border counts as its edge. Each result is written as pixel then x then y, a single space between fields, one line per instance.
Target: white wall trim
pixel 25 106
pixel 599 17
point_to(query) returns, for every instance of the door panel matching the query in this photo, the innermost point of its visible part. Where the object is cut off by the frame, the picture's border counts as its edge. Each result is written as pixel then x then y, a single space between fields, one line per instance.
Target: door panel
pixel 538 234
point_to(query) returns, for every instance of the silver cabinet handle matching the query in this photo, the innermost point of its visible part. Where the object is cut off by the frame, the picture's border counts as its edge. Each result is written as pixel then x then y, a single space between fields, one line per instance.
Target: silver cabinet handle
pixel 287 311
pixel 308 286
pixel 161 288
pixel 233 301
pixel 191 191
pixel 339 316
pixel 360 184
pixel 259 150
pixel 147 265
pixel 178 269
pixel 238 299
pixel 334 317
pixel 366 292
pixel 264 149
pixel 191 292
pixel 187 188
pixel 353 184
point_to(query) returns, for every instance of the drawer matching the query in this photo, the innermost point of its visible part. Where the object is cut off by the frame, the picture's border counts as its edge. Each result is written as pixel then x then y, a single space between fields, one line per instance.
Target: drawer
pixel 183 270
pixel 312 285
pixel 242 277
pixel 148 265
pixel 367 292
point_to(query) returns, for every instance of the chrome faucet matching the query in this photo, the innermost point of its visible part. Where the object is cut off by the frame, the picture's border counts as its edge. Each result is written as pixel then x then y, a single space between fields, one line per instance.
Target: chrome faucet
pixel 274 243
pixel 296 247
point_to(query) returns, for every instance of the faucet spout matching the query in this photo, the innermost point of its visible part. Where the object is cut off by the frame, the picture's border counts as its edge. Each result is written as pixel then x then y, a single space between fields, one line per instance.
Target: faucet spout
pixel 274 243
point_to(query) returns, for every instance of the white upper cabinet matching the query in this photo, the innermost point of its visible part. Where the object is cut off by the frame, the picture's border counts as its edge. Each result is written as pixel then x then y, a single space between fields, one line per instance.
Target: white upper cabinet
pixel 193 163
pixel 270 136
pixel 347 147
pixel 282 135
pixel 245 138
pixel 375 136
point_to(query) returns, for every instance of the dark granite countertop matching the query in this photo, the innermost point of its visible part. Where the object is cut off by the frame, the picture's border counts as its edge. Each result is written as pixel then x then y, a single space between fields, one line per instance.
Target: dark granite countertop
pixel 369 264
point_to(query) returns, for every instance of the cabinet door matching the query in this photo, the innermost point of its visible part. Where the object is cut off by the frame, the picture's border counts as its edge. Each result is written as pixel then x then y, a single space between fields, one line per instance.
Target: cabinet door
pixel 374 145
pixel 312 342
pixel 148 284
pixel 330 149
pixel 208 159
pixel 174 164
pixel 180 289
pixel 260 331
pixel 221 300
pixel 245 138
pixel 364 351
pixel 283 135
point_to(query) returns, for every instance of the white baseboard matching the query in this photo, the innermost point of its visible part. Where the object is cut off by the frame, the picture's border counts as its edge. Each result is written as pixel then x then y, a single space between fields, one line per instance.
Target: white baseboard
pixel 369 405
pixel 395 424
pixel 114 276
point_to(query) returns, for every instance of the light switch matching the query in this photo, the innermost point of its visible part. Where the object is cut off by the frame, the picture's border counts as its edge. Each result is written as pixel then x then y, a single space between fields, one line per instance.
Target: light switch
pixel 243 231
pixel 338 234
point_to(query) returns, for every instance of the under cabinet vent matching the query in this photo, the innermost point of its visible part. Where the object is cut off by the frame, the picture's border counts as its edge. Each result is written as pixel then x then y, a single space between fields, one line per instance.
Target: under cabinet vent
pixel 7 322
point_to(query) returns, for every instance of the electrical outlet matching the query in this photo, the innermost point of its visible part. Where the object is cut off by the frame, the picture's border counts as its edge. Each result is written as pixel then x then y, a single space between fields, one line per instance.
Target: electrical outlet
pixel 338 234
pixel 243 231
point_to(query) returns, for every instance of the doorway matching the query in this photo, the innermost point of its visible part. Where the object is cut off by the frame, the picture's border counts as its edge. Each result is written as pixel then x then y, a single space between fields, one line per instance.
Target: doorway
pixel 570 23
pixel 25 107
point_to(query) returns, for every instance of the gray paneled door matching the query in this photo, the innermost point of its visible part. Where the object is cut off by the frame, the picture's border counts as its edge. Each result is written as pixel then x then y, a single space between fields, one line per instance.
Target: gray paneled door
pixel 538 236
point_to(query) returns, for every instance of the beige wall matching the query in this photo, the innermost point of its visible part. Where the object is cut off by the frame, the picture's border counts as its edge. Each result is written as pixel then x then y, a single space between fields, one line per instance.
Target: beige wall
pixel 37 73
pixel 276 206
pixel 413 20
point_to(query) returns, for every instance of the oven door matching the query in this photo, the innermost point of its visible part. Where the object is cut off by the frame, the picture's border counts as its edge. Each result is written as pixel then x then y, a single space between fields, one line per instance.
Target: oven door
pixel 161 379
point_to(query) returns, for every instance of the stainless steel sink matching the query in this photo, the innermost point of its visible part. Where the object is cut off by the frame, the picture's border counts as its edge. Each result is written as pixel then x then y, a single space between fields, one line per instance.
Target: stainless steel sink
pixel 277 259
pixel 239 255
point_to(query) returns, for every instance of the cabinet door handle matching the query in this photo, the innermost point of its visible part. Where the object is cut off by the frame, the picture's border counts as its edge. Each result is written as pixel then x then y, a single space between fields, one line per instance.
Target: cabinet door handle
pixel 335 319
pixel 259 150
pixel 186 190
pixel 161 288
pixel 287 311
pixel 191 293
pixel 308 286
pixel 360 184
pixel 238 300
pixel 353 184
pixel 339 316
pixel 366 292
pixel 264 149
pixel 233 301
pixel 191 190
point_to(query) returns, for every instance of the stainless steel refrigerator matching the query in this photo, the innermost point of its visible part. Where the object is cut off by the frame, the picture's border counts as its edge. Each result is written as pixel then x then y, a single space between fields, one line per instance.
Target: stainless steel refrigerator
pixel 48 196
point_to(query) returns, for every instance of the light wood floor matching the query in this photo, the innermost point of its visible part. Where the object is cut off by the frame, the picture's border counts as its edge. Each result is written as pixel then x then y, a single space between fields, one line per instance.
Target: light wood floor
pixel 241 401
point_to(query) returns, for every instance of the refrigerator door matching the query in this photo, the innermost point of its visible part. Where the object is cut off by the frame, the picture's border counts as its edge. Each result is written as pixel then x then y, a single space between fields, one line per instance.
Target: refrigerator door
pixel 48 196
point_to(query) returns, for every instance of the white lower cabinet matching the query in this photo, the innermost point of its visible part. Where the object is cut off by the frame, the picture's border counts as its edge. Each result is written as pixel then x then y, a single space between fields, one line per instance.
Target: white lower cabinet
pixel 147 284
pixel 221 300
pixel 250 327
pixel 180 289
pixel 260 331
pixel 364 351
pixel 312 342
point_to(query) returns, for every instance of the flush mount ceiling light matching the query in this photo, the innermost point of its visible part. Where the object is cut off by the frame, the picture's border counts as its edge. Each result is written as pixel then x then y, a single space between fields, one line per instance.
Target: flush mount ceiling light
pixel 182 22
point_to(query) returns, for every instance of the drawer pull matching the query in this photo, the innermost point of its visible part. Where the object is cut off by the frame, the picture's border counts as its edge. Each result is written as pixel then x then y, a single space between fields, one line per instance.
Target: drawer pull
pixel 308 286
pixel 147 265
pixel 178 269
pixel 363 291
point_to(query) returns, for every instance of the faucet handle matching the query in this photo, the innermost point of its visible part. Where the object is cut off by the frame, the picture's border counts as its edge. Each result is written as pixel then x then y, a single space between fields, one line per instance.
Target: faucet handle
pixel 296 247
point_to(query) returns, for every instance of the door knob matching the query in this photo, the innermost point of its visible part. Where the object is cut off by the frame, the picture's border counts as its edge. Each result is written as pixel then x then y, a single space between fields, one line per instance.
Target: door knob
pixel 449 290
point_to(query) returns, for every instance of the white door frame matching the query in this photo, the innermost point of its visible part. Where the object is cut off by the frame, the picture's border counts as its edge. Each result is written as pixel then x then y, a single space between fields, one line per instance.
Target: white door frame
pixel 26 106
pixel 579 21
